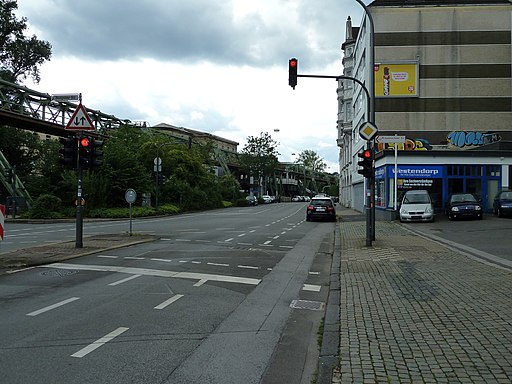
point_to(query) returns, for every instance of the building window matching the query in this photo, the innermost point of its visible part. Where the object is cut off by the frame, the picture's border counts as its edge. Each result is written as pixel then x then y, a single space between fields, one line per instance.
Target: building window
pixel 493 170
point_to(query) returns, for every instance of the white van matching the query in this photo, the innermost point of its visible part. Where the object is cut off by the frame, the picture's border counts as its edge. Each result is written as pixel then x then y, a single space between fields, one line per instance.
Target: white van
pixel 416 205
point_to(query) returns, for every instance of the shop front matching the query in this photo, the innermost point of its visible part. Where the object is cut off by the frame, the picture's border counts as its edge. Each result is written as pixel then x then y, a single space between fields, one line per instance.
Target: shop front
pixel 443 163
pixel 483 180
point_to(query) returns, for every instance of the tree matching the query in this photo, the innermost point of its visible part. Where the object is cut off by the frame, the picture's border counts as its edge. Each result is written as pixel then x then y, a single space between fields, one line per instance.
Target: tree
pixel 311 162
pixel 259 157
pixel 126 164
pixel 20 56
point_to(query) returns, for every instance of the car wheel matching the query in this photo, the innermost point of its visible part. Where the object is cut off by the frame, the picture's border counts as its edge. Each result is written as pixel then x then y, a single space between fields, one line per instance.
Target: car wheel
pixel 308 219
pixel 500 213
pixel 450 217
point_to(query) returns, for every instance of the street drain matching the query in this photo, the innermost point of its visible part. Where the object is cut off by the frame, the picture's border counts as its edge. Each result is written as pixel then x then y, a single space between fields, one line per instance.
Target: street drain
pixel 305 304
pixel 59 272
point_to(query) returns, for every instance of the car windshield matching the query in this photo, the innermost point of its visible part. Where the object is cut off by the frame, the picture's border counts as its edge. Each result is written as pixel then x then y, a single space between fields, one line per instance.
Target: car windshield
pixel 463 198
pixel 506 195
pixel 416 198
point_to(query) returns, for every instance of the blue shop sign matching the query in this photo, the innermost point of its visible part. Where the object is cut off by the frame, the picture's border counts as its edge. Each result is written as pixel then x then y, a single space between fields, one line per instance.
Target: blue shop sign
pixel 416 171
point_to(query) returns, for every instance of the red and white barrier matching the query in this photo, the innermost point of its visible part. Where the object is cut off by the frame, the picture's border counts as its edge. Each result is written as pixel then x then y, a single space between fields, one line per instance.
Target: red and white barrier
pixel 2 221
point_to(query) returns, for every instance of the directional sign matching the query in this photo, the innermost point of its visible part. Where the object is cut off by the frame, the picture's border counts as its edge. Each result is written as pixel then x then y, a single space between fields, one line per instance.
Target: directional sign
pixel 367 131
pixel 80 120
pixel 390 139
pixel 66 97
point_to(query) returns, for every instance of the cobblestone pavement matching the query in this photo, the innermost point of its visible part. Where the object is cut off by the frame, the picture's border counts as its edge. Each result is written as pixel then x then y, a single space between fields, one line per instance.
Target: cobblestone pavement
pixel 414 311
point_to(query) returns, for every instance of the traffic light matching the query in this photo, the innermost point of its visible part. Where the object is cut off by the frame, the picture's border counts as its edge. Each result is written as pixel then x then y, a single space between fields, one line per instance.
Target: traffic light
pixel 293 65
pixel 161 179
pixel 68 152
pixel 84 152
pixel 96 153
pixel 366 163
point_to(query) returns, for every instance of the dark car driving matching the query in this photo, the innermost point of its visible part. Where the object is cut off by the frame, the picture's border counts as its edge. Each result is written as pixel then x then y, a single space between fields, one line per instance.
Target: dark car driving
pixel 502 204
pixel 321 208
pixel 463 205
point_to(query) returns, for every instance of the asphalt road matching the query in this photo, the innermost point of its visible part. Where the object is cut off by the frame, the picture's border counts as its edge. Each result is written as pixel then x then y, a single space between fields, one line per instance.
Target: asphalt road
pixel 207 303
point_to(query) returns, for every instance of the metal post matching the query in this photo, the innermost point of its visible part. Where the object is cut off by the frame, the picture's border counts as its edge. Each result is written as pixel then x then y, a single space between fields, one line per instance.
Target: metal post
pixel 13 185
pixel 157 174
pixel 371 88
pixel 79 216
pixel 368 206
pixel 79 212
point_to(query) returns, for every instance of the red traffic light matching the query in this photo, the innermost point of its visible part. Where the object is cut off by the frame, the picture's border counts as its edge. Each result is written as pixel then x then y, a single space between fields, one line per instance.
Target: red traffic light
pixel 293 65
pixel 367 154
pixel 84 142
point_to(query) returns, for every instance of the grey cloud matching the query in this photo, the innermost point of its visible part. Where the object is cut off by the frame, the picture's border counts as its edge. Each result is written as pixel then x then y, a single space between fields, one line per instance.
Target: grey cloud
pixel 190 31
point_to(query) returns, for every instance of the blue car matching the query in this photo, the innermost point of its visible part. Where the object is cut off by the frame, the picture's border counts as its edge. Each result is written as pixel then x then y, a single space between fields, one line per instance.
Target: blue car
pixel 502 204
pixel 464 206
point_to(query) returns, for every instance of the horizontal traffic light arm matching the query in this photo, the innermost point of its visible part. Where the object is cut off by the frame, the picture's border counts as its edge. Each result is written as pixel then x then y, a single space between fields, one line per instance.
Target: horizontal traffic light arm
pixel 340 78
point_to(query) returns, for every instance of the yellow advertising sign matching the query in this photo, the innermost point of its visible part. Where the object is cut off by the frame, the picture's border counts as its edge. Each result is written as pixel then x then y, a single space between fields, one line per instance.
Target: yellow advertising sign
pixel 396 80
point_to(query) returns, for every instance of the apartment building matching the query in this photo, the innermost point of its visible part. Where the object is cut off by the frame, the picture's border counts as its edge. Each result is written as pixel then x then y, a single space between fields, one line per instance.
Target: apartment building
pixel 443 83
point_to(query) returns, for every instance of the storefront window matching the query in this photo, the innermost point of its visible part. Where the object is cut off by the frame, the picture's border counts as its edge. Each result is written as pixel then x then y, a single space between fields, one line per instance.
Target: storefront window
pixel 473 170
pixel 380 193
pixel 493 170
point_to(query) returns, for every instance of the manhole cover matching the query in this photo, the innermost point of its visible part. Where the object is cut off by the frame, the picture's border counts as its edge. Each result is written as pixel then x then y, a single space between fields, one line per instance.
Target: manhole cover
pixel 59 272
pixel 305 304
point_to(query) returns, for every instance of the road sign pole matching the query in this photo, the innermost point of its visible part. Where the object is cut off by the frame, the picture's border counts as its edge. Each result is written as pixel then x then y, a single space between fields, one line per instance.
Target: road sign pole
pixel 79 213
pixel 368 206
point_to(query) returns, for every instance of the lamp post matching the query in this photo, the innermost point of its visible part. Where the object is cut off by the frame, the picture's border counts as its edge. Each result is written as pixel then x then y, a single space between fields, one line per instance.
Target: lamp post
pixel 371 87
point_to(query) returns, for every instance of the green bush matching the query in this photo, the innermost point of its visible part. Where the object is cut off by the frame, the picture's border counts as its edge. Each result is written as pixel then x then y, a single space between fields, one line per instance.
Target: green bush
pixel 241 203
pixel 46 207
pixel 227 204
pixel 168 209
pixel 106 213
pixel 113 213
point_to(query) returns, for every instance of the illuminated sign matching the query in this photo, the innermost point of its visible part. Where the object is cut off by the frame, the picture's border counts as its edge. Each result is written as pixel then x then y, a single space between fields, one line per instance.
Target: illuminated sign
pixel 397 79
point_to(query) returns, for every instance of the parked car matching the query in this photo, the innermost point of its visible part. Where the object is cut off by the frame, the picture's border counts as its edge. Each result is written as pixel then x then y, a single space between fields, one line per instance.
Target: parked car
pixel 416 205
pixel 502 204
pixel 252 200
pixel 464 205
pixel 321 208
pixel 266 199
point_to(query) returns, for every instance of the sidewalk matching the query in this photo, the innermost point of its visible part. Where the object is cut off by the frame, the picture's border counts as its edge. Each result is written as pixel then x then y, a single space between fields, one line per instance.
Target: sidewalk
pixel 59 251
pixel 415 311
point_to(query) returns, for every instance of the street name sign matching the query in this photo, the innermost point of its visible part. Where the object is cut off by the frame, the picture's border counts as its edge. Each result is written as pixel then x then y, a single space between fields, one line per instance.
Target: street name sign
pixel 80 120
pixel 66 97
pixel 390 139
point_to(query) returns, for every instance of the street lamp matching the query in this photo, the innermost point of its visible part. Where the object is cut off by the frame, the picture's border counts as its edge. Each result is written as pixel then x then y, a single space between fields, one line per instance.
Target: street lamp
pixel 371 86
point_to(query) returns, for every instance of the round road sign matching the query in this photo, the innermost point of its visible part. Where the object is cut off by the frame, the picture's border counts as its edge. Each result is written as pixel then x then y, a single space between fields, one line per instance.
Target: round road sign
pixel 130 196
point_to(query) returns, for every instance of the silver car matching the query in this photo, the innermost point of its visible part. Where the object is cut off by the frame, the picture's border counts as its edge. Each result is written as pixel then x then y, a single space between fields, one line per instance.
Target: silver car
pixel 416 205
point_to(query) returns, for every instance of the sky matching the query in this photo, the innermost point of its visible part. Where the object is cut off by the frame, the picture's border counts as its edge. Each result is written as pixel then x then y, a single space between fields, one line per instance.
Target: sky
pixel 218 66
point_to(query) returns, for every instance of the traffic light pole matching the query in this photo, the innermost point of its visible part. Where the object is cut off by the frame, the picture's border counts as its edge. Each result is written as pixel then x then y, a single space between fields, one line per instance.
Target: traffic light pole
pixel 79 213
pixel 368 205
pixel 370 189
